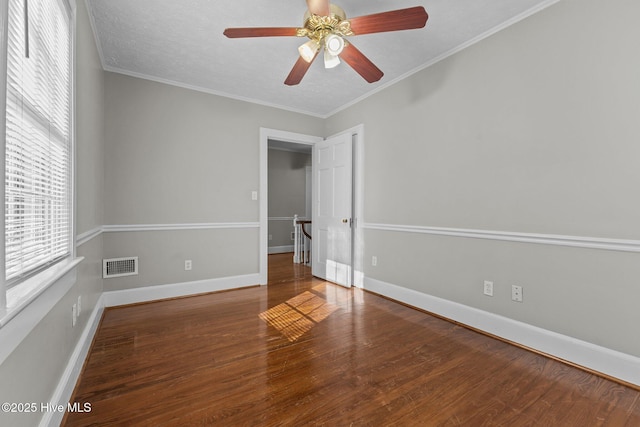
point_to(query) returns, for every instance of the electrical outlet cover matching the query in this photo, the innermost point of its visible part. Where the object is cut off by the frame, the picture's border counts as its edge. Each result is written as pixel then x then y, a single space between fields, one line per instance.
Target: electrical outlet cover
pixel 516 293
pixel 488 288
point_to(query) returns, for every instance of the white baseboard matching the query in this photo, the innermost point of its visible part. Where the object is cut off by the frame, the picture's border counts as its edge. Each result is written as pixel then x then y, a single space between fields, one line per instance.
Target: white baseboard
pixel 63 392
pixel 280 249
pixel 152 293
pixel 613 363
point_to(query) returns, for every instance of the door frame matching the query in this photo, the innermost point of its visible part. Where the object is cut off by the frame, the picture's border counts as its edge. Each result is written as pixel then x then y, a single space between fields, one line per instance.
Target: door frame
pixel 357 135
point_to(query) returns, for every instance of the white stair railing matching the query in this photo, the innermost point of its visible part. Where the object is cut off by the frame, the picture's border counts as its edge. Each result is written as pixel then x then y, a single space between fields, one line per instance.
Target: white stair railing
pixel 301 241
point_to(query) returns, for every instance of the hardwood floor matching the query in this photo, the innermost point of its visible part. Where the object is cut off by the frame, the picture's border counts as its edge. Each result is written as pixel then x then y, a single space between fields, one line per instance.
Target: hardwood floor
pixel 305 352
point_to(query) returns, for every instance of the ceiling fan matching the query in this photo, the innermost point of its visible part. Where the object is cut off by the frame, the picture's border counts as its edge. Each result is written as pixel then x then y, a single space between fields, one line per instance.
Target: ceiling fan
pixel 326 25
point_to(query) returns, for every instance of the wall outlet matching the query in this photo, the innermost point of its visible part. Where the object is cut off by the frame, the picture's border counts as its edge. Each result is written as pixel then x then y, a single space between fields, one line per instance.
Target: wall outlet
pixel 516 293
pixel 254 195
pixel 187 265
pixel 270 236
pixel 374 260
pixel 293 235
pixel 488 288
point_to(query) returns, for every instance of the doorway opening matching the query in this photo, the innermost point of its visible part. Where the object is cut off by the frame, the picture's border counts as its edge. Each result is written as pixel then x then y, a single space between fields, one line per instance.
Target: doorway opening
pixel 289 198
pixel 295 142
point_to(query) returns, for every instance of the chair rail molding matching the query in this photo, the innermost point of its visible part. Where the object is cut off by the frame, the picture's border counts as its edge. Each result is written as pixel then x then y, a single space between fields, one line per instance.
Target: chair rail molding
pixel 86 236
pixel 623 245
pixel 171 227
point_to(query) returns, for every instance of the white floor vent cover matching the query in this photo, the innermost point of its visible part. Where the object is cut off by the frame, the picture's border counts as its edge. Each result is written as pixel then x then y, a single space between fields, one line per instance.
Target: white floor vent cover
pixel 118 267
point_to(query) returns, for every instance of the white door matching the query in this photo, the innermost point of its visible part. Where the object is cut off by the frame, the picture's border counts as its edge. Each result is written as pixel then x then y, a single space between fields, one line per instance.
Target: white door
pixel 331 219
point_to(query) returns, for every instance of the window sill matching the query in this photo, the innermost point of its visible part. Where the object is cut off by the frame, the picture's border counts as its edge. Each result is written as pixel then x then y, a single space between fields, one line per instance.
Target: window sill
pixel 21 296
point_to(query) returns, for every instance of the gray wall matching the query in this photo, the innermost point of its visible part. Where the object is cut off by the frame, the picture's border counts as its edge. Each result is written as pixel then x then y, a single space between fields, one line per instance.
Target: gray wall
pixel 180 157
pixel 287 192
pixel 533 130
pixel 33 370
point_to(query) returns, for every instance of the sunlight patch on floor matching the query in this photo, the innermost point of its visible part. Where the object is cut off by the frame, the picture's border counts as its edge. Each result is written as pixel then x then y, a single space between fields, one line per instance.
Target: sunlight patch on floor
pixel 340 296
pixel 298 315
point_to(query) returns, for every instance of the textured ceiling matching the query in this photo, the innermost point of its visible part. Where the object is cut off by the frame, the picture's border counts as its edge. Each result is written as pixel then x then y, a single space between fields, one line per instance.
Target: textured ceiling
pixel 181 42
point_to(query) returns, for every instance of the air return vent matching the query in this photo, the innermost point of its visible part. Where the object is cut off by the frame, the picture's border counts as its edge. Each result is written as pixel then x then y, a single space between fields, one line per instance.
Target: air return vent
pixel 118 267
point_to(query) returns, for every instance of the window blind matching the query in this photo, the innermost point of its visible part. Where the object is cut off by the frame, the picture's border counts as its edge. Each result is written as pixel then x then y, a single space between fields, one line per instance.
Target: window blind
pixel 38 137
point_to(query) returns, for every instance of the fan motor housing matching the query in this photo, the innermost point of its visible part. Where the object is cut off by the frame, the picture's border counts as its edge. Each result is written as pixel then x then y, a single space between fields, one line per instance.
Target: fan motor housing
pixel 318 27
pixel 335 12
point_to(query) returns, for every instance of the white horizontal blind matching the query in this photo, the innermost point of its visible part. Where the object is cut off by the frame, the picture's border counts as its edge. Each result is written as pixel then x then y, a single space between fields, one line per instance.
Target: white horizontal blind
pixel 38 137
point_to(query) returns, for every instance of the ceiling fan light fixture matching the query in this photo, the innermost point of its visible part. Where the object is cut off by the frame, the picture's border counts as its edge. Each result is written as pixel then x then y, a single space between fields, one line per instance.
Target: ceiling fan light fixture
pixel 334 44
pixel 326 25
pixel 308 50
pixel 330 61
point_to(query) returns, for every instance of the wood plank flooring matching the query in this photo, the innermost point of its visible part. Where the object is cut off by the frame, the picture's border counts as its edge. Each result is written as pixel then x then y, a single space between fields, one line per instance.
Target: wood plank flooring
pixel 305 352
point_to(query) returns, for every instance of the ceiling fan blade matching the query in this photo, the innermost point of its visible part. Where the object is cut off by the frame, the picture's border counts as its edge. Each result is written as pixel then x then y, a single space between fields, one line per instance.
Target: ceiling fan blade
pixel 298 71
pixel 319 7
pixel 233 33
pixel 360 63
pixel 395 20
